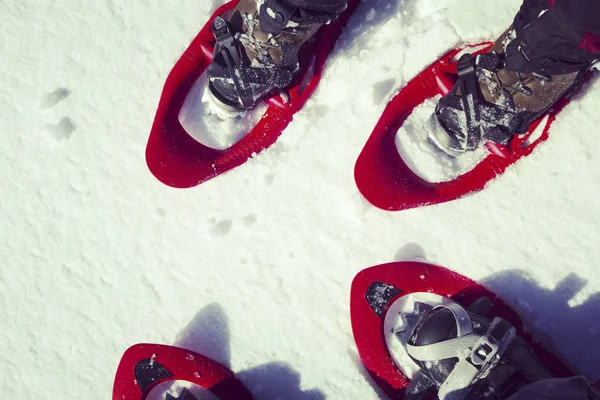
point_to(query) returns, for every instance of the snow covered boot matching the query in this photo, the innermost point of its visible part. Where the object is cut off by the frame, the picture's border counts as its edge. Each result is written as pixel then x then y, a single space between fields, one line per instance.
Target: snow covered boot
pixel 462 354
pixel 538 60
pixel 256 52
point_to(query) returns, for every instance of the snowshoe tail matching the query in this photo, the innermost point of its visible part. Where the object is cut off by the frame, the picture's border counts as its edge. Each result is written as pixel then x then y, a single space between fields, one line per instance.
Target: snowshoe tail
pixel 145 366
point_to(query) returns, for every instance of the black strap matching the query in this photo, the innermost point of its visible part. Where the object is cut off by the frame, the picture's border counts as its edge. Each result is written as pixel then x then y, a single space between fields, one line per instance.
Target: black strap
pixel 246 78
pixel 471 99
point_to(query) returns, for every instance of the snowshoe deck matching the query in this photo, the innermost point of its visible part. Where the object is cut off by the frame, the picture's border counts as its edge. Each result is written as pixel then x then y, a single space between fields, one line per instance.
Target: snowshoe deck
pixel 376 288
pixel 178 160
pixel 385 179
pixel 144 366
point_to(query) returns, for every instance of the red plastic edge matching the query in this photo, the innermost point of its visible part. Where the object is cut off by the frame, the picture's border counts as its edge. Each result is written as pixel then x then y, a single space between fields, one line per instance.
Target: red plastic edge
pixel 411 277
pixel 184 365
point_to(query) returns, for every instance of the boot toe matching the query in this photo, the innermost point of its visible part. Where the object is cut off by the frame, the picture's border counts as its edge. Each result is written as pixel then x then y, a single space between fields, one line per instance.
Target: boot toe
pixel 445 126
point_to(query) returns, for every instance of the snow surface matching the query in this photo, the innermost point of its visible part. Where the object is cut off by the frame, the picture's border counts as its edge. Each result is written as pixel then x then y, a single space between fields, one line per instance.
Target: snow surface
pixel 422 156
pixel 213 127
pixel 253 268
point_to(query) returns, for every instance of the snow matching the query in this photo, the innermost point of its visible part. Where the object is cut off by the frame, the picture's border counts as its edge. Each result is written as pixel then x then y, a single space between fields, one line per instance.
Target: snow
pixel 210 125
pixel 254 268
pixel 424 157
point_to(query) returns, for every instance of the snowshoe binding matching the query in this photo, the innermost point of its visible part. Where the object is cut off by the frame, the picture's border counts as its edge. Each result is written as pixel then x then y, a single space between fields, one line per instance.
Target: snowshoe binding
pixel 425 332
pixel 500 93
pixel 256 51
pixel 459 353
pixel 253 65
pixel 392 180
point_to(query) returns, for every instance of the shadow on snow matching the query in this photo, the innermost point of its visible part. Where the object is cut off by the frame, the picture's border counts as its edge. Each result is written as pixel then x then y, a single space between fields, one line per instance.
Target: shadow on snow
pixel 208 334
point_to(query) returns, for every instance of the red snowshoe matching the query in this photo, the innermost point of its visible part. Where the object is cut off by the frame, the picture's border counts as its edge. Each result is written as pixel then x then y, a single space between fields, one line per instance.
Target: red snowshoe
pixel 386 179
pixel 179 160
pixel 423 332
pixel 191 376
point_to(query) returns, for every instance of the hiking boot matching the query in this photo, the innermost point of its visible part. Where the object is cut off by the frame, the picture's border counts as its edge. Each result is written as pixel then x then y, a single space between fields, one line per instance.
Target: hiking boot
pixel 256 52
pixel 492 101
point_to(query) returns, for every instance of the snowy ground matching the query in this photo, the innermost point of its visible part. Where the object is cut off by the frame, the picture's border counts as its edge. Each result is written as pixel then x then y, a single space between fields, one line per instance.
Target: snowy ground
pixel 253 268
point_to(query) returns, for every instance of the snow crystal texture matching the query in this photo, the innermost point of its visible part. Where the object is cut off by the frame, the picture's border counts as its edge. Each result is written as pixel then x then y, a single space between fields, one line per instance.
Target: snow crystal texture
pixel 254 268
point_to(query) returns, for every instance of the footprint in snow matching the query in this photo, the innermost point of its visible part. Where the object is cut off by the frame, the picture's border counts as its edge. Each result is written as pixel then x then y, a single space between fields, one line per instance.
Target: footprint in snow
pixel 269 179
pixel 53 98
pixel 66 126
pixel 250 220
pixel 221 228
pixel 63 129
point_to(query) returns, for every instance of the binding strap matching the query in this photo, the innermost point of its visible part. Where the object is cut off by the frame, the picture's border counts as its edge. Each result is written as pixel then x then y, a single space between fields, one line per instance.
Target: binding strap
pixel 484 121
pixel 245 79
pixel 477 354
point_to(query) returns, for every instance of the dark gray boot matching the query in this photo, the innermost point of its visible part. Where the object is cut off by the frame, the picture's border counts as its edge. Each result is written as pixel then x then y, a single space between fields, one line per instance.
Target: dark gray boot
pixel 257 48
pixel 540 58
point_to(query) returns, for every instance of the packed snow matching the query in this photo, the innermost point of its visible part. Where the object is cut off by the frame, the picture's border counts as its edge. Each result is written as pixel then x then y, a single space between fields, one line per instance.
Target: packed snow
pixel 254 268
pixel 212 126
pixel 426 159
